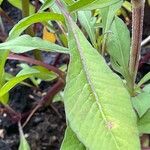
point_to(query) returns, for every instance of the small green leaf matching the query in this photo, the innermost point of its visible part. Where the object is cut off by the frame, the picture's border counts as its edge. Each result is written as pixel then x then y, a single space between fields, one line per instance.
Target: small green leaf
pixel 147 88
pixel 108 14
pixel 18 4
pixel 90 4
pixel 144 79
pixel 59 97
pixel 1 2
pixel 38 17
pixel 118 46
pixel 87 22
pixel 144 123
pixel 141 103
pixel 46 5
pixel 23 142
pixel 27 43
pixel 22 75
pixel 71 141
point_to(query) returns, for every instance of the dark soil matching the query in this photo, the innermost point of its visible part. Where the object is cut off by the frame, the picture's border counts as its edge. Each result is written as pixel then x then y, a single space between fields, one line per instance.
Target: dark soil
pixel 45 130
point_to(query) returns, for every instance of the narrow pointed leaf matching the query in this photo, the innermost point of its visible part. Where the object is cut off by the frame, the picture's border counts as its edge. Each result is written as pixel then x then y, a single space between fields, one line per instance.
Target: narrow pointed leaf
pixel 97 104
pixel 108 14
pixel 27 43
pixel 144 79
pixel 71 141
pixel 46 5
pixel 23 142
pixel 90 4
pixel 118 45
pixel 141 103
pixel 38 17
pixel 144 123
pixel 87 22
pixel 22 75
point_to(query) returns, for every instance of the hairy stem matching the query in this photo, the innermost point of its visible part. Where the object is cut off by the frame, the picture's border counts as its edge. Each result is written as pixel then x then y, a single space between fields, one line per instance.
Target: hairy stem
pixel 137 27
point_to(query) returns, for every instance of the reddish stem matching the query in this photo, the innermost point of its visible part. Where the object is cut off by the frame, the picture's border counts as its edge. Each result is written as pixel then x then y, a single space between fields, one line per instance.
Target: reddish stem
pixel 47 100
pixel 36 62
pixel 137 27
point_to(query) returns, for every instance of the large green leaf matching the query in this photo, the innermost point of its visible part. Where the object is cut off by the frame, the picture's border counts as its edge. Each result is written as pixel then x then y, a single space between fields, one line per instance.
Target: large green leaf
pixel 141 103
pixel 144 123
pixel 38 17
pixel 71 141
pixel 97 104
pixel 87 22
pixel 118 46
pixel 26 43
pixel 90 4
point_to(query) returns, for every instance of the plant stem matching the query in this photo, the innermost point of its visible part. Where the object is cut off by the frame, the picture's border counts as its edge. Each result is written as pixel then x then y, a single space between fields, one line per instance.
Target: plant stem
pixel 137 27
pixel 60 73
pixel 47 100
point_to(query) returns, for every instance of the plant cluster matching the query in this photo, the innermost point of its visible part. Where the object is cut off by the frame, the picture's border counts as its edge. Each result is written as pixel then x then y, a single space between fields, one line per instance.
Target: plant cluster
pixel 106 108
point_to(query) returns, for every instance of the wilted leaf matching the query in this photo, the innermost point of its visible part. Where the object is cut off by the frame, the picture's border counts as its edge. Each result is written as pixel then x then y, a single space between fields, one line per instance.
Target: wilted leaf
pixel 49 36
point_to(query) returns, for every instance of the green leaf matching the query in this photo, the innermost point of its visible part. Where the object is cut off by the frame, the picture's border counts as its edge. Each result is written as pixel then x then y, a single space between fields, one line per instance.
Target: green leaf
pixel 27 43
pixel 141 103
pixel 22 75
pixel 87 22
pixel 38 17
pixel 1 2
pixel 144 123
pixel 144 79
pixel 127 5
pixel 71 141
pixel 23 142
pixel 97 105
pixel 18 4
pixel 90 4
pixel 118 46
pixel 147 88
pixel 108 14
pixel 3 57
pixel 46 4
